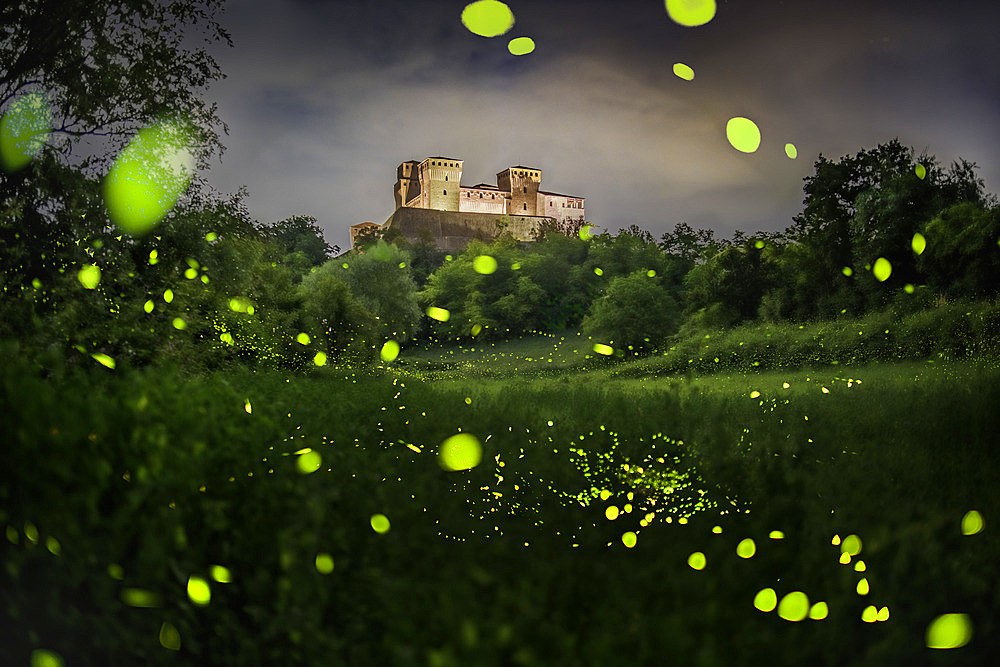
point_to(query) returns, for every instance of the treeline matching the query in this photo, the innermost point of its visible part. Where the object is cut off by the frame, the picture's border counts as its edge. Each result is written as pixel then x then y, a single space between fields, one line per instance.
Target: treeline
pixel 880 229
pixel 210 286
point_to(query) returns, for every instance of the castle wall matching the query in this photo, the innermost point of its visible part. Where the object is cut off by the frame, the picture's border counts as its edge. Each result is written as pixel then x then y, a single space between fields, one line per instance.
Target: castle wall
pixel 453 230
pixel 473 200
pixel 561 207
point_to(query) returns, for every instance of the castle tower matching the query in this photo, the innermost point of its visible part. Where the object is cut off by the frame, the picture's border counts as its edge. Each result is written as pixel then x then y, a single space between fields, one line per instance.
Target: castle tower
pixel 407 182
pixel 522 183
pixel 440 183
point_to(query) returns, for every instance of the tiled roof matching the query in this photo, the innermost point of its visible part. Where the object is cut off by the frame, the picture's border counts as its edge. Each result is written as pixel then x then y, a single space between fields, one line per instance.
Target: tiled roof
pixel 556 194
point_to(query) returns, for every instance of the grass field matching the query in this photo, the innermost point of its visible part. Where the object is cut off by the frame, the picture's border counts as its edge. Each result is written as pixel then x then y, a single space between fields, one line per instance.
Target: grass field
pixel 141 480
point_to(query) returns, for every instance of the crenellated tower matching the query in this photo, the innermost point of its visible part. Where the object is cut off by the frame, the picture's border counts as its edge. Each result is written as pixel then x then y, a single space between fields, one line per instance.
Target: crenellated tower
pixel 522 183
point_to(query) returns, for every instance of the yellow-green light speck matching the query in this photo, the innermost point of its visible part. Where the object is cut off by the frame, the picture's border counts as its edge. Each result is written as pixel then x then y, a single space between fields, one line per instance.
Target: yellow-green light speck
pixel 629 539
pixel 439 314
pixel 520 46
pixel 921 171
pixel 320 359
pixel 776 535
pixel 972 523
pixel 765 600
pixel 139 597
pixel 461 451
pixel 41 657
pixel 303 339
pixel 309 462
pixel 949 631
pixel 794 606
pixel 148 306
pixel 882 269
pixel 691 13
pixel 819 611
pixel 221 574
pixel 24 129
pixel 847 271
pixel 487 18
pixel 89 276
pixel 601 348
pixel 324 563
pixel 170 638
pixel 697 560
pixel 683 71
pixel 179 323
pixel 611 513
pixel 148 177
pixel 851 545
pixel 199 591
pixel 390 350
pixel 791 151
pixel 743 134
pixel 380 523
pixel 104 360
pixel 919 243
pixel 746 548
pixel 484 264
pixel 585 233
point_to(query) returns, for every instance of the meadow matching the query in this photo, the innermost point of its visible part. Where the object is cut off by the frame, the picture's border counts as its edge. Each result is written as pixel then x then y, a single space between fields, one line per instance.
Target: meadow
pixel 264 517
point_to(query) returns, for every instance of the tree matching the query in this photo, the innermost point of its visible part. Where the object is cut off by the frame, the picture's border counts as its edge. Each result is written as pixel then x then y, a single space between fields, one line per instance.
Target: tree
pixel 301 234
pixel 733 282
pixel 342 325
pixel 962 257
pixel 381 281
pixel 635 311
pixel 110 67
pixel 866 206
pixel 690 245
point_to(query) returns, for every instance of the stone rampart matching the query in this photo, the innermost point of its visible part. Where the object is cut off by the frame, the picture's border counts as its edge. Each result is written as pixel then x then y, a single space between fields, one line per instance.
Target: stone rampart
pixel 452 230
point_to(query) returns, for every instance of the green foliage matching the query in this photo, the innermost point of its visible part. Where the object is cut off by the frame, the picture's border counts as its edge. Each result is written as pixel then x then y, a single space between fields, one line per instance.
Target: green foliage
pixel 301 235
pixel 962 256
pixel 635 312
pixel 111 67
pixel 734 278
pixel 331 312
pixel 381 280
pixel 165 475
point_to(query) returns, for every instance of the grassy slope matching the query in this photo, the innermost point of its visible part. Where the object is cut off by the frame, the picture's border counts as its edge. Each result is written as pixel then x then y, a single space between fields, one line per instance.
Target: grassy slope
pixel 534 575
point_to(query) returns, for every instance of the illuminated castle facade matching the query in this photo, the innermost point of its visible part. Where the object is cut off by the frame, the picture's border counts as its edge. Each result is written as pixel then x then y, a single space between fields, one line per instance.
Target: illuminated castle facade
pixel 516 201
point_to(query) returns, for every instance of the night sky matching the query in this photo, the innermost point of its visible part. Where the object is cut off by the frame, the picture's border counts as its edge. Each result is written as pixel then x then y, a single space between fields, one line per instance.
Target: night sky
pixel 325 98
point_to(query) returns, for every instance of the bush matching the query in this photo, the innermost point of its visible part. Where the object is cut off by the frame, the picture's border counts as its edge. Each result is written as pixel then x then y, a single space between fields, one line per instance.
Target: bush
pixel 635 312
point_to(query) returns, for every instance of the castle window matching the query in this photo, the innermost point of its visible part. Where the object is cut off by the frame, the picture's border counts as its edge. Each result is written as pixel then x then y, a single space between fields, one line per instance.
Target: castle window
pixel 446 177
pixel 480 195
pixel 525 188
pixel 525 207
pixel 446 192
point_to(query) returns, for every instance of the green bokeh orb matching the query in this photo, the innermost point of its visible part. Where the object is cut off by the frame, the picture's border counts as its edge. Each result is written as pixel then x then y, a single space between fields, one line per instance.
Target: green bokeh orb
pixel 148 177
pixel 24 130
pixel 461 451
pixel 743 134
pixel 487 18
pixel 691 13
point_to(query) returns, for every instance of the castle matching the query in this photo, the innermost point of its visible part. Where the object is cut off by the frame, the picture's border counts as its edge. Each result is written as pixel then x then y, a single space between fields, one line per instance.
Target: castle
pixel 431 200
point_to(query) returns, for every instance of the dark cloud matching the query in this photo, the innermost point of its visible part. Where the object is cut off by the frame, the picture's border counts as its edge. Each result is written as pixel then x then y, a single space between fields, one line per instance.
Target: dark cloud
pixel 324 99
